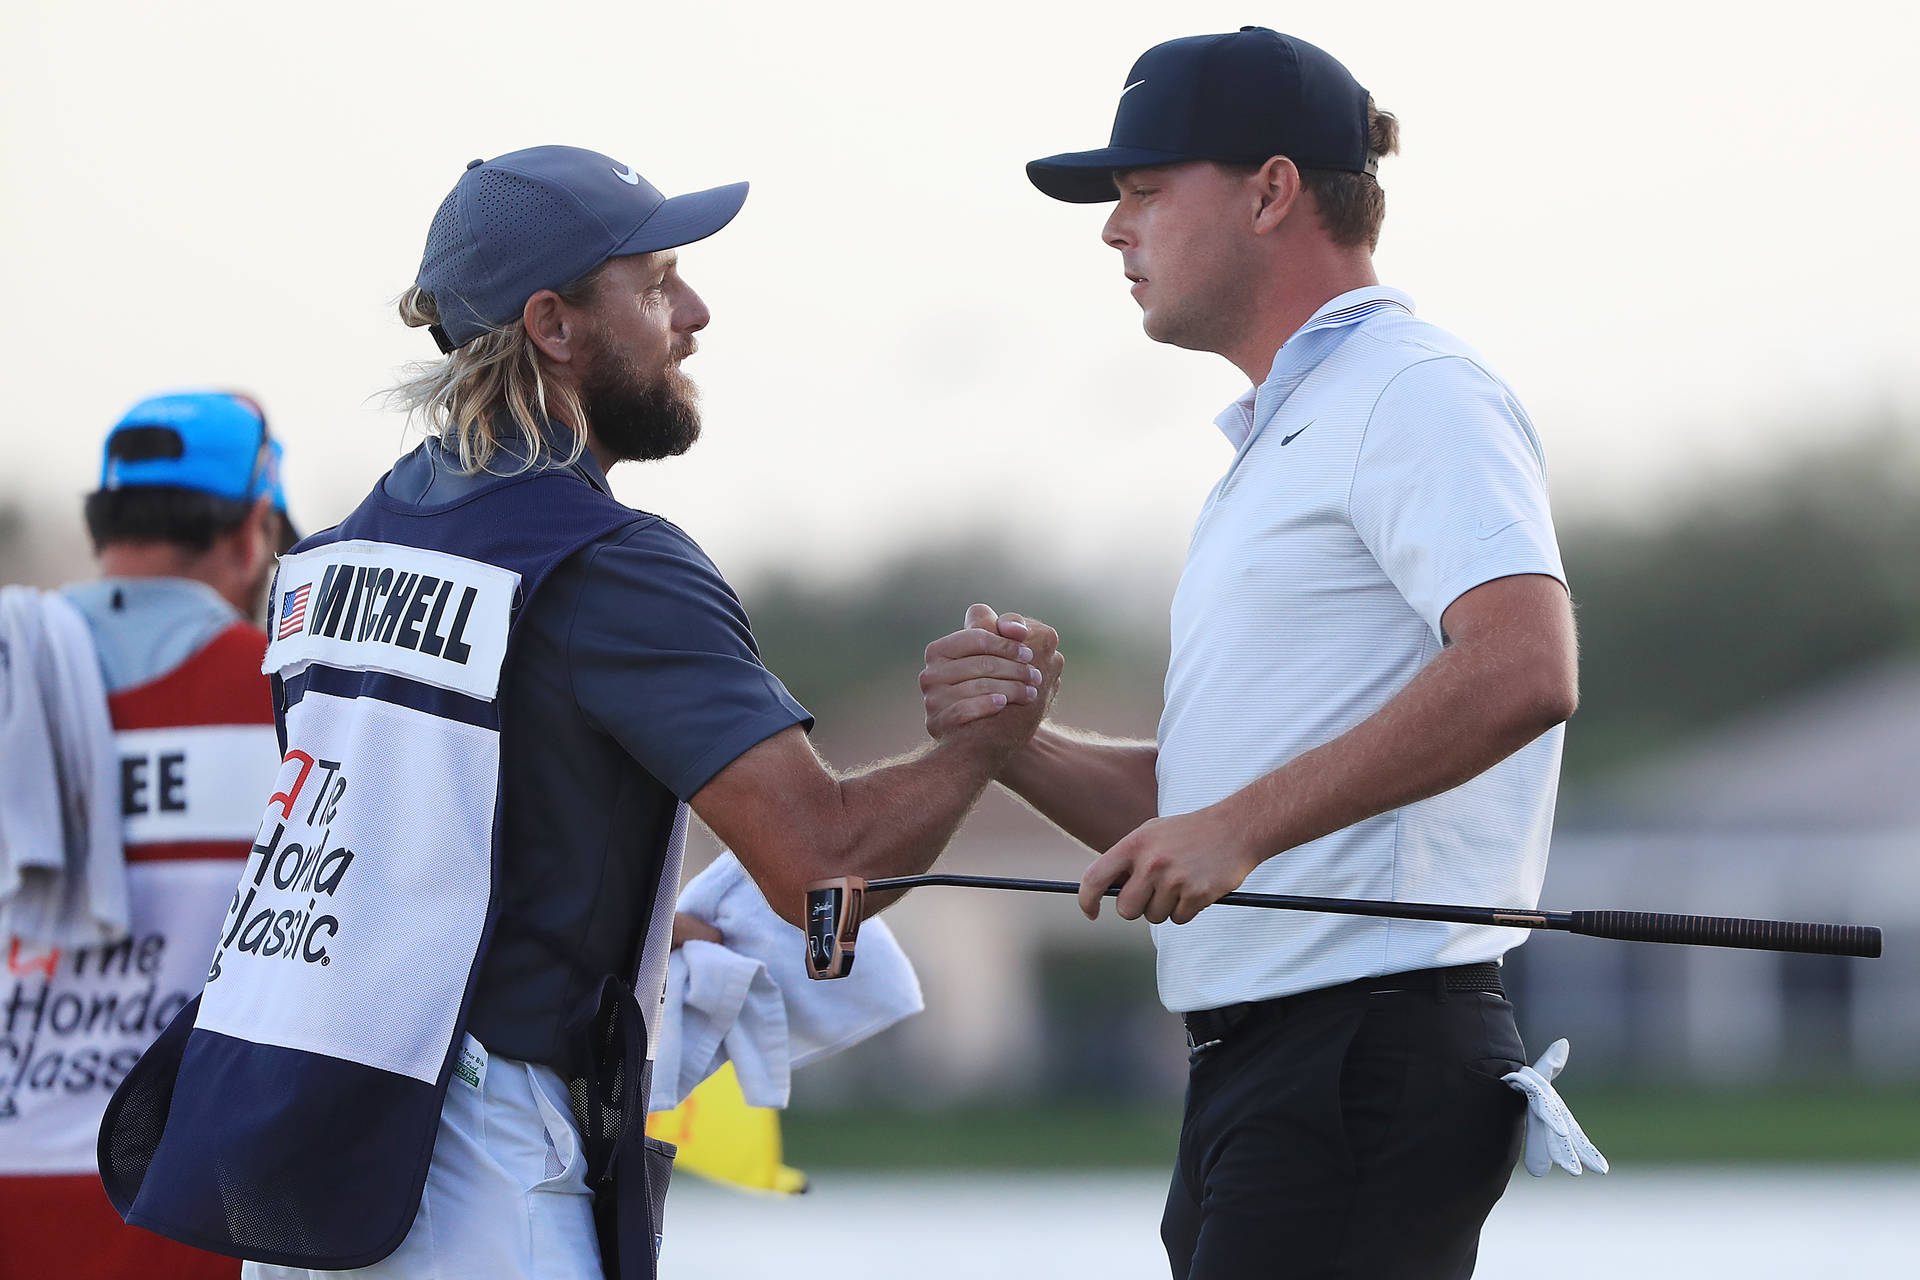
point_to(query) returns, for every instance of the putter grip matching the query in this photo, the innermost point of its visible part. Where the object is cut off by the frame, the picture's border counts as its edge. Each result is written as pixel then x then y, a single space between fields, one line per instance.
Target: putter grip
pixel 1726 931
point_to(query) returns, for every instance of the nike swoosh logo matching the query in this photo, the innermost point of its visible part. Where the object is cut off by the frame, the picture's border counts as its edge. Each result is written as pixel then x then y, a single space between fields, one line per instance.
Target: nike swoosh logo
pixel 1488 528
pixel 1287 440
pixel 631 178
pixel 1130 88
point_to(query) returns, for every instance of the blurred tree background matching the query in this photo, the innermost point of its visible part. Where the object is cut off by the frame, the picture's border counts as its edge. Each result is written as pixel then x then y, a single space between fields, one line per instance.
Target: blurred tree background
pixel 1744 592
pixel 856 650
pixel 13 549
pixel 1751 592
pixel 1693 613
pixel 1695 609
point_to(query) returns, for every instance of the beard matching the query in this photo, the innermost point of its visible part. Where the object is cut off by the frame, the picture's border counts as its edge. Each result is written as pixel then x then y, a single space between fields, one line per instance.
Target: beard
pixel 636 417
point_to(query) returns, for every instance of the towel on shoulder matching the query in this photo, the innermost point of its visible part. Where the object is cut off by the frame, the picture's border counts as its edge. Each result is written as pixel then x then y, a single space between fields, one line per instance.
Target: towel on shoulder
pixel 63 875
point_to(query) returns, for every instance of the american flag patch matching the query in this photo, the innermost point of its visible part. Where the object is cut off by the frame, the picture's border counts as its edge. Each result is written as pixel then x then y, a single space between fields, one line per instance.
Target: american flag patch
pixel 293 612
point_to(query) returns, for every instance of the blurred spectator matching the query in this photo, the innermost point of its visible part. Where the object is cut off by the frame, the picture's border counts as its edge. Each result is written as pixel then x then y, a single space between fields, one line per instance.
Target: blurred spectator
pixel 185 524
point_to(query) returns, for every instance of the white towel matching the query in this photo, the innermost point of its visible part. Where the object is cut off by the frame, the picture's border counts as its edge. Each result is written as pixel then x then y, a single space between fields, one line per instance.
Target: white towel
pixel 747 999
pixel 63 874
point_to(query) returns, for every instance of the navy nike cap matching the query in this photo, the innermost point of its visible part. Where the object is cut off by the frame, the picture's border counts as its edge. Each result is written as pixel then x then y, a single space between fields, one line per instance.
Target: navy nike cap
pixel 1246 95
pixel 542 218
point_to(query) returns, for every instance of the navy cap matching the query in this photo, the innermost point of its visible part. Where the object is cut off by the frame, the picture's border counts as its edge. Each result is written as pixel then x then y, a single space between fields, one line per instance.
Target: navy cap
pixel 1247 95
pixel 213 442
pixel 542 218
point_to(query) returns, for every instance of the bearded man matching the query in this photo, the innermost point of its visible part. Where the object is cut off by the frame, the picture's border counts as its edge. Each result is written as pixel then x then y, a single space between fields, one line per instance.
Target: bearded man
pixel 420 1051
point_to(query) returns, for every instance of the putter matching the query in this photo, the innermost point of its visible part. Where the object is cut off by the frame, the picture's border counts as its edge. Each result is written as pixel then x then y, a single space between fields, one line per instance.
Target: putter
pixel 834 908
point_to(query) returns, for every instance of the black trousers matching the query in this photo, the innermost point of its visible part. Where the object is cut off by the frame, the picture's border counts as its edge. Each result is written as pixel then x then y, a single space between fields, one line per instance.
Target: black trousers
pixel 1347 1133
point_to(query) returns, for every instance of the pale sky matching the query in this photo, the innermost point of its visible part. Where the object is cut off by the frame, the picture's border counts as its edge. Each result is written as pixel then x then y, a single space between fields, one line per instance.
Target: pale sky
pixel 1682 231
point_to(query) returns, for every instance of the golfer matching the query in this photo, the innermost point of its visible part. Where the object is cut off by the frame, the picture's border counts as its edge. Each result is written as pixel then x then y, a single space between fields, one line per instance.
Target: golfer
pixel 1372 653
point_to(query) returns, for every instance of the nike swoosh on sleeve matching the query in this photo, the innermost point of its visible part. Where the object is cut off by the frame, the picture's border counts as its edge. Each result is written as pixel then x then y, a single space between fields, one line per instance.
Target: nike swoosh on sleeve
pixel 1487 528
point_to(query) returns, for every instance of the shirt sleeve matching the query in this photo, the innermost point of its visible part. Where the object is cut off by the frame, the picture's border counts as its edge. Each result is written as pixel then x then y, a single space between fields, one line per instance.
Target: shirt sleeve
pixel 662 659
pixel 1450 486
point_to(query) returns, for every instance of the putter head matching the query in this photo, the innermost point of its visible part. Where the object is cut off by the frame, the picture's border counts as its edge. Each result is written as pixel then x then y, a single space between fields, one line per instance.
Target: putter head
pixel 834 908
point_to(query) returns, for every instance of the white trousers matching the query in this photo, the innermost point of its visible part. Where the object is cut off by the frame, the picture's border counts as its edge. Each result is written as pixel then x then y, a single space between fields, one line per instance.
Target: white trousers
pixel 506 1195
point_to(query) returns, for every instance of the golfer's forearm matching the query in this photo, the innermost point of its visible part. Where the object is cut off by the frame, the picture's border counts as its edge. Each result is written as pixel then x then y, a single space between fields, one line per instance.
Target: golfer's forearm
pixel 1096 789
pixel 1463 714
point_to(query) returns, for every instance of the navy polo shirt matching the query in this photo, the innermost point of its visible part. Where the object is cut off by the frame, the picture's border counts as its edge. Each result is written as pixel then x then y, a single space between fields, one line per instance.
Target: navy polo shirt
pixel 633 679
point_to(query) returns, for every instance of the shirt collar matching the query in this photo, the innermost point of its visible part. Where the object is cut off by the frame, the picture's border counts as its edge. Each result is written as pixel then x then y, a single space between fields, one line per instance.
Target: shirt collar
pixel 588 467
pixel 1236 421
pixel 559 441
pixel 160 588
pixel 1352 307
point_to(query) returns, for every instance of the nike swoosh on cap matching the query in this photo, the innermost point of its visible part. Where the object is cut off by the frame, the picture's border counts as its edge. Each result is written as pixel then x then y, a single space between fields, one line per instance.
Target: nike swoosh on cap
pixel 631 178
pixel 1130 88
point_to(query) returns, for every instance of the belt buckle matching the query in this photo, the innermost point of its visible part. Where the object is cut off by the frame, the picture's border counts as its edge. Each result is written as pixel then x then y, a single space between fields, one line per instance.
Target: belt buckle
pixel 1195 1046
pixel 1216 1028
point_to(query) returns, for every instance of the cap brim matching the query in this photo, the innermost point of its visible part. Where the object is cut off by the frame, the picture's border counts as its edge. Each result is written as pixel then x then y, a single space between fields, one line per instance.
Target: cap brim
pixel 683 219
pixel 1086 177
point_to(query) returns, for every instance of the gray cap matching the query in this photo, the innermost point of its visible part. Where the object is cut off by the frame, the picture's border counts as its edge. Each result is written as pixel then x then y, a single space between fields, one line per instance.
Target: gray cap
pixel 542 218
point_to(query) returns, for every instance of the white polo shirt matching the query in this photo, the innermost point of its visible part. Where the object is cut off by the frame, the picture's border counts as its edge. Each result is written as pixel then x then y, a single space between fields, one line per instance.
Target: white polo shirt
pixel 1380 472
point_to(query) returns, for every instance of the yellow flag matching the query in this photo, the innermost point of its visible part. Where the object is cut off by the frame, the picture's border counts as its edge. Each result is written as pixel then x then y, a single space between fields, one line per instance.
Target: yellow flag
pixel 723 1139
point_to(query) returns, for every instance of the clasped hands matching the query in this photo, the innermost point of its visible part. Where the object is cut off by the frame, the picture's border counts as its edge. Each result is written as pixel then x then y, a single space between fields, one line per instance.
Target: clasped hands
pixel 994 662
pixel 1166 868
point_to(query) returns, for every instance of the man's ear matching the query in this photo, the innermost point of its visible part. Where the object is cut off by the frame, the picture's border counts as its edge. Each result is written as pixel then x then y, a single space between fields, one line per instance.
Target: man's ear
pixel 553 326
pixel 249 545
pixel 1276 188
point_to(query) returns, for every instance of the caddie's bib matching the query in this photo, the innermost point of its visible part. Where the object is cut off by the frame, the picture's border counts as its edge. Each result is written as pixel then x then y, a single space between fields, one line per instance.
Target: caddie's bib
pixel 197 749
pixel 289 1116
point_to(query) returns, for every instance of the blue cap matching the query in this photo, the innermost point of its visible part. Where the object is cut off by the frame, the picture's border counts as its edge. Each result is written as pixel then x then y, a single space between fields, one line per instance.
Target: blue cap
pixel 210 441
pixel 275 485
pixel 1244 96
pixel 542 218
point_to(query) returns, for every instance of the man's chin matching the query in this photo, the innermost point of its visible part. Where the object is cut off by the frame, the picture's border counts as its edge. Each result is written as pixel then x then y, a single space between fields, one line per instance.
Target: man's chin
pixel 1178 331
pixel 1160 331
pixel 637 422
pixel 680 445
pixel 656 444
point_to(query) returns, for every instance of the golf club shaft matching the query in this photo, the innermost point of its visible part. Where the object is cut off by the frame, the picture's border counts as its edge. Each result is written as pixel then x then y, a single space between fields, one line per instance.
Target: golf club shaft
pixel 1622 926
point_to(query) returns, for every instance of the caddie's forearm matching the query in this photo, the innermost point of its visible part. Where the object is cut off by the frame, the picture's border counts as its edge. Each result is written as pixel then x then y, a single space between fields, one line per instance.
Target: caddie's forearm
pixel 1464 713
pixel 900 814
pixel 1094 788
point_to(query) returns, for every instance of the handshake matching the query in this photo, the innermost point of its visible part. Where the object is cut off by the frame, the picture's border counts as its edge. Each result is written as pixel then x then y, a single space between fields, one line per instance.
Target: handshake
pixel 987 688
pixel 989 684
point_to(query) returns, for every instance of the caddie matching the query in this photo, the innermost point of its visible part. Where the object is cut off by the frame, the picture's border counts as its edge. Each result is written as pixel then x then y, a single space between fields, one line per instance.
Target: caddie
pixel 425 1037
pixel 185 523
pixel 1372 654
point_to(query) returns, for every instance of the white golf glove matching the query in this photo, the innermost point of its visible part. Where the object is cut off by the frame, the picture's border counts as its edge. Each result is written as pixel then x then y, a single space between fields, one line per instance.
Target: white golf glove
pixel 1554 1137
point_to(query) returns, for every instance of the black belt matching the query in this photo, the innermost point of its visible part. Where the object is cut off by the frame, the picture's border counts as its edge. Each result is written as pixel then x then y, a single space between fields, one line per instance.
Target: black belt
pixel 1206 1027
